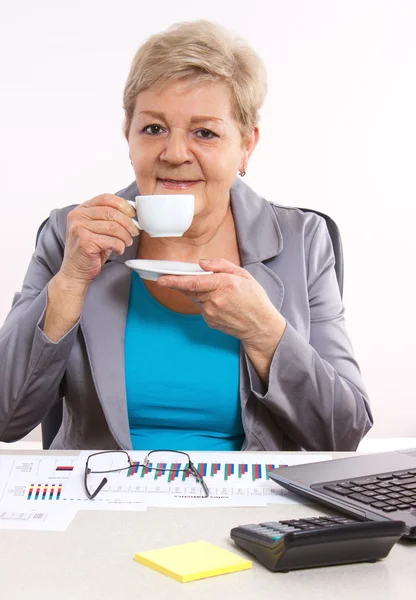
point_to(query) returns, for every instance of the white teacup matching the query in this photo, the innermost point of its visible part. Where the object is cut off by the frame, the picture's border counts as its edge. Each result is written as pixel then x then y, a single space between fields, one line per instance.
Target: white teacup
pixel 165 215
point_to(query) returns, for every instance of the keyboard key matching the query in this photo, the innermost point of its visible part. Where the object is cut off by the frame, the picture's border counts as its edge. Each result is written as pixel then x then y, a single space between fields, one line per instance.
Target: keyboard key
pixel 338 490
pixel 394 501
pixel 364 499
pixel 379 504
pixel 365 481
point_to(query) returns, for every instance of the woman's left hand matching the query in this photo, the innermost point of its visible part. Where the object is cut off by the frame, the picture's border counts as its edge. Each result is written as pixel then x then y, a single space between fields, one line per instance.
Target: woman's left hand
pixel 232 301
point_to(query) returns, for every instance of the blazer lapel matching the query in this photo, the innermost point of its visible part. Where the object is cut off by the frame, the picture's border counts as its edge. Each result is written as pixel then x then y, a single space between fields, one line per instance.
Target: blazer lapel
pixel 269 281
pixel 103 324
pixel 259 238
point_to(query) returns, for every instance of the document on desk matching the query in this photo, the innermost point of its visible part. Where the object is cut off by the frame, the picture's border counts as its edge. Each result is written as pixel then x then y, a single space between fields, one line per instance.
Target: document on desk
pixel 36 490
pixel 233 479
pixel 36 519
pixel 44 492
pixel 31 490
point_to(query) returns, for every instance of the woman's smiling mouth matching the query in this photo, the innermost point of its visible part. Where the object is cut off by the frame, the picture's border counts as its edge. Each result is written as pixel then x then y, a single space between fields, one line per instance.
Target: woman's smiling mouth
pixel 178 184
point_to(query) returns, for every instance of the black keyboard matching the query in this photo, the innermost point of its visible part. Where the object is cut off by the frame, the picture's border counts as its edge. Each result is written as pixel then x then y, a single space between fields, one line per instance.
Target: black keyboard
pixel 387 492
pixel 317 541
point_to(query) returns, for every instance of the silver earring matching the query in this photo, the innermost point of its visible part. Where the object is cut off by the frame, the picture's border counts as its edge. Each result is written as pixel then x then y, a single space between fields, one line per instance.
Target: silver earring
pixel 241 173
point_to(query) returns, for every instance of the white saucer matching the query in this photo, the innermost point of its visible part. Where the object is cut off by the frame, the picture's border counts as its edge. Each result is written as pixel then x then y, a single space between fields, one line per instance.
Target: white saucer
pixel 153 269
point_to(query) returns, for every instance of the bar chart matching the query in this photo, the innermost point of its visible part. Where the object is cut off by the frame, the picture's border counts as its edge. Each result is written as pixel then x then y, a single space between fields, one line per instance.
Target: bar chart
pixel 44 491
pixel 215 471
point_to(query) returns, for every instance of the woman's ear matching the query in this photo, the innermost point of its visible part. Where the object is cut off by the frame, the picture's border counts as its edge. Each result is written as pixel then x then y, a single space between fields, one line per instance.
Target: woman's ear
pixel 249 143
pixel 253 141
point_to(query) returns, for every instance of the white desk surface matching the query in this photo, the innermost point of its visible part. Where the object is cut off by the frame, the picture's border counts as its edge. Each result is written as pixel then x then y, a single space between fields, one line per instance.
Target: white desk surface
pixel 93 559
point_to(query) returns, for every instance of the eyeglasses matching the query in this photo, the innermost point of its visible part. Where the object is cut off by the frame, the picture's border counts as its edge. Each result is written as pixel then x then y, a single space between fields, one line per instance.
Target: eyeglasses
pixel 119 460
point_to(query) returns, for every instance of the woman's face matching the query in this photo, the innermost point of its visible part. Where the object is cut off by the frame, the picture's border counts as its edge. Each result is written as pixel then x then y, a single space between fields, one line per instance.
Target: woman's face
pixel 184 140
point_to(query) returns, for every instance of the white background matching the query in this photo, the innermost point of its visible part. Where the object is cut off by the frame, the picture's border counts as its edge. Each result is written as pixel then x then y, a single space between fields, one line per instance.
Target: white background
pixel 338 134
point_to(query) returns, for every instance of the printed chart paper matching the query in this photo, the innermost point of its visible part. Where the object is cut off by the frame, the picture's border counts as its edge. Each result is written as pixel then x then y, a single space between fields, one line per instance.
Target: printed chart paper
pixel 238 479
pixel 44 492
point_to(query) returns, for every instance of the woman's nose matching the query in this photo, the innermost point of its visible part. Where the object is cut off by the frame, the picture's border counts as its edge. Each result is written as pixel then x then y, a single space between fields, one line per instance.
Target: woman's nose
pixel 176 150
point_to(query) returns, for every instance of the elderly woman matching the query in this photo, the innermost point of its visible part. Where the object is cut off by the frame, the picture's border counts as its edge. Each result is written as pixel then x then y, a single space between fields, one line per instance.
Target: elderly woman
pixel 254 356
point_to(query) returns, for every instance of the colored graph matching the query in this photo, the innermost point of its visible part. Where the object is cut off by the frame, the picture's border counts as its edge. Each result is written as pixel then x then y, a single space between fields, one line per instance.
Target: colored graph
pixel 46 491
pixel 219 471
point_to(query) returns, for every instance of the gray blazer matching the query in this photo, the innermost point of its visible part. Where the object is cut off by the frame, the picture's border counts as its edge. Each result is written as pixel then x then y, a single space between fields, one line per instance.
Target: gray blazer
pixel 315 400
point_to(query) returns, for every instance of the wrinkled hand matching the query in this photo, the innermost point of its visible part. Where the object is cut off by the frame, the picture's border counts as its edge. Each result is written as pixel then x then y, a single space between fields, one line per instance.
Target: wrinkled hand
pixel 94 230
pixel 232 301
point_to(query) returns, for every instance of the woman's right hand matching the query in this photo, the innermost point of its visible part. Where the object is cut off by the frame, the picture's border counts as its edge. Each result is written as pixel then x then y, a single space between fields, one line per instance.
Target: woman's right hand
pixel 94 230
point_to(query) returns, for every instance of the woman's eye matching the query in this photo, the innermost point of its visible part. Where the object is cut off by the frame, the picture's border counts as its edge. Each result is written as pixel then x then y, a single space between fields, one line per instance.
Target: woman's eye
pixel 153 129
pixel 206 134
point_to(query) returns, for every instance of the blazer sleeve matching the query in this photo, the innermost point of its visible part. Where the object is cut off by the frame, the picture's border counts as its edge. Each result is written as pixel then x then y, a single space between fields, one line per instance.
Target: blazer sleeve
pixel 315 392
pixel 31 365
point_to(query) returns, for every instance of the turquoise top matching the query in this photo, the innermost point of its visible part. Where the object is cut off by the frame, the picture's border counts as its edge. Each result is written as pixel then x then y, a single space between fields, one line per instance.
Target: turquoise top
pixel 182 379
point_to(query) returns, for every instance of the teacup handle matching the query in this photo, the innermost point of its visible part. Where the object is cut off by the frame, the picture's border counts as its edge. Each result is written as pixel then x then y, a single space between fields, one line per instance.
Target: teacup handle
pixel 137 223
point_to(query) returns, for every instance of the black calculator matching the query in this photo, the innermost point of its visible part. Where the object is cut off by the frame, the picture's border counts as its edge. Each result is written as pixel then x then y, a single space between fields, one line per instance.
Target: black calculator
pixel 317 541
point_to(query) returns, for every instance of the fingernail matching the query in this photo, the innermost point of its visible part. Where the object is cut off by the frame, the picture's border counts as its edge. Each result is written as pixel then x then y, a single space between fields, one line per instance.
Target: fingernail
pixel 204 260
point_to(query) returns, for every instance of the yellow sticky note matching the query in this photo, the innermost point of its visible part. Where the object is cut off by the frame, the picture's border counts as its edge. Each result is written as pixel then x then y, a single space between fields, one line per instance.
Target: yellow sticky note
pixel 196 560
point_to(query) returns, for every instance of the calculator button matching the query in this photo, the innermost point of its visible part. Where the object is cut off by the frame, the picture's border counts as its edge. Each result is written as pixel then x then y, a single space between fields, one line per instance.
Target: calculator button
pixel 344 521
pixel 290 522
pixel 272 536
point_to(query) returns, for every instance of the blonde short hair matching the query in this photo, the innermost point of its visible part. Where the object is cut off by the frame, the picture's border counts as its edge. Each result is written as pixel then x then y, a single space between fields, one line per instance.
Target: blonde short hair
pixel 202 52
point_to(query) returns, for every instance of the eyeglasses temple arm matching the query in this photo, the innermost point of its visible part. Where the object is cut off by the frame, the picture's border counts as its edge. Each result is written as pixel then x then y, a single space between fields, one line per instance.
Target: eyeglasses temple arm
pixel 99 488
